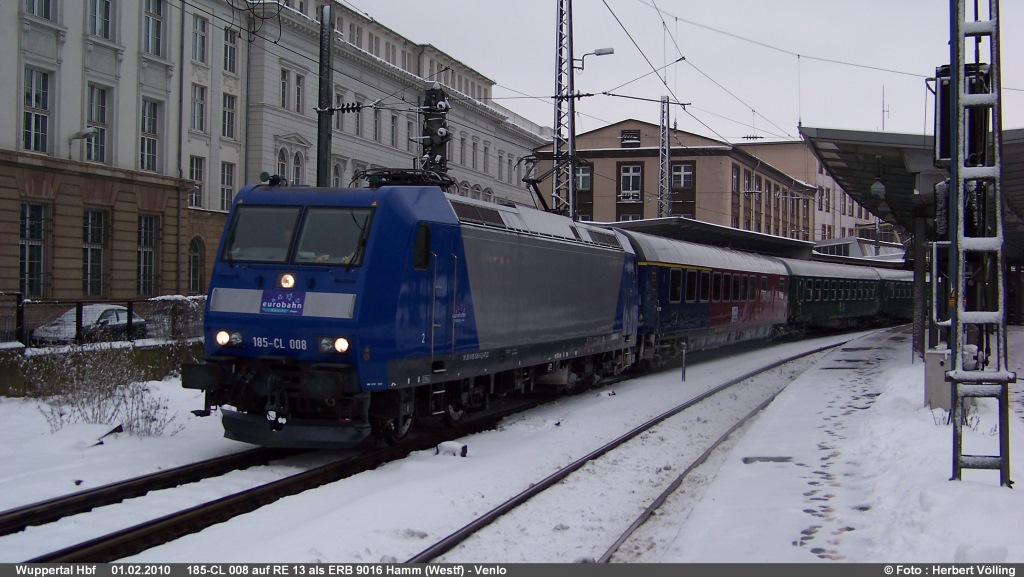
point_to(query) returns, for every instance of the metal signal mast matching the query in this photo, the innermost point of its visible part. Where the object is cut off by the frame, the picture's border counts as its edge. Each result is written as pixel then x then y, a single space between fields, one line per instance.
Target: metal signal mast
pixel 977 299
pixel 563 182
pixel 665 164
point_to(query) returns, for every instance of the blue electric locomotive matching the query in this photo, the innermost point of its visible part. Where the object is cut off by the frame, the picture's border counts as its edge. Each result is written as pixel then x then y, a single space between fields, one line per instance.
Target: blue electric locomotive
pixel 334 314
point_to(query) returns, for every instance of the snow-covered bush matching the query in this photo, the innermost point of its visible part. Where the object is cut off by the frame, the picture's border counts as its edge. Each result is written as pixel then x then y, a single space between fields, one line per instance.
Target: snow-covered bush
pixel 96 385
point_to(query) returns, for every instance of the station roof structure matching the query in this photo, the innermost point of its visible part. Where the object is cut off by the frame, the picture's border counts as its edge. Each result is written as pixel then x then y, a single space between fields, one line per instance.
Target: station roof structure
pixel 696 231
pixel 904 164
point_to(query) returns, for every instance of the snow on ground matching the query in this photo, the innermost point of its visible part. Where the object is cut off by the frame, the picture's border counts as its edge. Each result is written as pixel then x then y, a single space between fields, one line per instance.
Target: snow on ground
pixel 866 479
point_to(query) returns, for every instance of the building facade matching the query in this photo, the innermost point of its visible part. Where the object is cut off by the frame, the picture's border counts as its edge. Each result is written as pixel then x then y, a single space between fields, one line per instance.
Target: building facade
pixel 774 188
pixel 130 124
pixel 712 181
pixel 833 213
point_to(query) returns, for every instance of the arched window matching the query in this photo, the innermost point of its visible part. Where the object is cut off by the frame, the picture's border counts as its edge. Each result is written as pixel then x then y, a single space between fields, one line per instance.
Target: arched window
pixel 464 189
pixel 282 163
pixel 297 169
pixel 196 267
pixel 336 176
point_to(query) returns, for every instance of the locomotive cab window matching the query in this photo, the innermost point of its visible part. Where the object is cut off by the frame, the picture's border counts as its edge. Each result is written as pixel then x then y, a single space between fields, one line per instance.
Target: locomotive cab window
pixel 261 234
pixel 421 248
pixel 333 236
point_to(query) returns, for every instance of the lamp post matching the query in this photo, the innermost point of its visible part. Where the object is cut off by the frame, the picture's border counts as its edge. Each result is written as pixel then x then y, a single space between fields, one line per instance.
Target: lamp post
pixel 598 52
pixel 85 133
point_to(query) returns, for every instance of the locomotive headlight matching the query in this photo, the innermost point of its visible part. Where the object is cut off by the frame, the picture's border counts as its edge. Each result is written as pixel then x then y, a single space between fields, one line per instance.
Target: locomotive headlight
pixel 287 280
pixel 341 344
pixel 225 338
pixel 332 344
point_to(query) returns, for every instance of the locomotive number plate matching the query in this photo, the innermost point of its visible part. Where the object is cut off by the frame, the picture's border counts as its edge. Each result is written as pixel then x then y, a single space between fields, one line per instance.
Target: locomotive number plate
pixel 279 343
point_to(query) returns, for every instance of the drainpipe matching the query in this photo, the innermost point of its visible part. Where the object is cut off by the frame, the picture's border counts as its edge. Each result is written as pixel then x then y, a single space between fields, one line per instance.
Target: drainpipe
pixel 181 145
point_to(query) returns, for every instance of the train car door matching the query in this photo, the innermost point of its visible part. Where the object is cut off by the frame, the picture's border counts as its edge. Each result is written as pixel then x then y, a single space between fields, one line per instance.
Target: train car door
pixel 444 306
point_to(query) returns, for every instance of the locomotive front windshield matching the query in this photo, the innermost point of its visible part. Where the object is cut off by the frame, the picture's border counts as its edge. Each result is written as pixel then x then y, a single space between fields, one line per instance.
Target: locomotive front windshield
pixel 289 234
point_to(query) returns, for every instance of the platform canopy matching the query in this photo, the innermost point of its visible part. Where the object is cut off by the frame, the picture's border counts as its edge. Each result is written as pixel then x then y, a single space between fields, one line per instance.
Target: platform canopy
pixel 691 230
pixel 894 175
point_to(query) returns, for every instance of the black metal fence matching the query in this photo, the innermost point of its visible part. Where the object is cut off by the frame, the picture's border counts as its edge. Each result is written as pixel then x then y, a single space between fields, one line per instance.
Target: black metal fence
pixel 53 323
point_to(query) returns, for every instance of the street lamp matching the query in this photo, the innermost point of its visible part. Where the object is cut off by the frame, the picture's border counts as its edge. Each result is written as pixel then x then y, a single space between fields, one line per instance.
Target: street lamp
pixel 598 52
pixel 85 133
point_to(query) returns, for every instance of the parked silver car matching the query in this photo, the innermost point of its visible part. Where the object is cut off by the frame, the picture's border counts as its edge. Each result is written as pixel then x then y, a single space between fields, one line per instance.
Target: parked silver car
pixel 100 322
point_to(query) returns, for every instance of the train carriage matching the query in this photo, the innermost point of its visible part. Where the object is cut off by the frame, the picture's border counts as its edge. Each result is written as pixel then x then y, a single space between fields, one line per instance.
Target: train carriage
pixel 697 297
pixel 896 295
pixel 830 296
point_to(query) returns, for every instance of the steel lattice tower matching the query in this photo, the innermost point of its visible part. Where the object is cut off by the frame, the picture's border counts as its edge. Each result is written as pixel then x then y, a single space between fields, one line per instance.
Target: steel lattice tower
pixel 665 164
pixel 563 188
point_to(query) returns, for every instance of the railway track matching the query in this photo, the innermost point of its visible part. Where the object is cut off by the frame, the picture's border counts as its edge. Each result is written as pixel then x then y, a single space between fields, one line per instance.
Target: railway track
pixel 131 540
pixel 501 523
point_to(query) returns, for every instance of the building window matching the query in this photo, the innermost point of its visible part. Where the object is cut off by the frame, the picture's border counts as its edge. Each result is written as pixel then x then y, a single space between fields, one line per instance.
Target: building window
pixel 359 122
pixel 149 132
pixel 96 145
pixel 230 50
pixel 227 185
pixel 38 8
pixel 630 182
pixel 146 260
pixel 152 27
pixel 299 80
pixel 282 163
pixel 487 160
pixel 630 138
pixel 474 155
pixel 629 217
pixel 99 18
pixel 409 130
pixel 285 84
pixel 297 169
pixel 36 129
pixel 32 227
pixel 376 125
pixel 394 131
pixel 196 172
pixel 336 176
pixel 682 175
pixel 583 177
pixel 338 115
pixel 198 108
pixel 94 224
pixel 228 119
pixel 828 199
pixel 199 33
pixel 196 284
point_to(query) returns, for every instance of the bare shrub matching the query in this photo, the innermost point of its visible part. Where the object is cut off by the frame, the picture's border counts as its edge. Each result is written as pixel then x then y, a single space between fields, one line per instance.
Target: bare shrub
pixel 98 385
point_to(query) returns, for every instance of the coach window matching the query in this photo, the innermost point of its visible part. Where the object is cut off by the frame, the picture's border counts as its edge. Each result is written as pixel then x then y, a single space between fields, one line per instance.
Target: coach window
pixel 817 289
pixel 743 288
pixel 782 289
pixel 421 249
pixel 716 288
pixel 736 293
pixel 675 285
pixel 705 286
pixel 834 289
pixel 691 286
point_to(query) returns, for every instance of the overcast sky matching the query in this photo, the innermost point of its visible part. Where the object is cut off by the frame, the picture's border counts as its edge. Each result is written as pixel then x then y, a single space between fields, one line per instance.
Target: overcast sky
pixel 741 74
